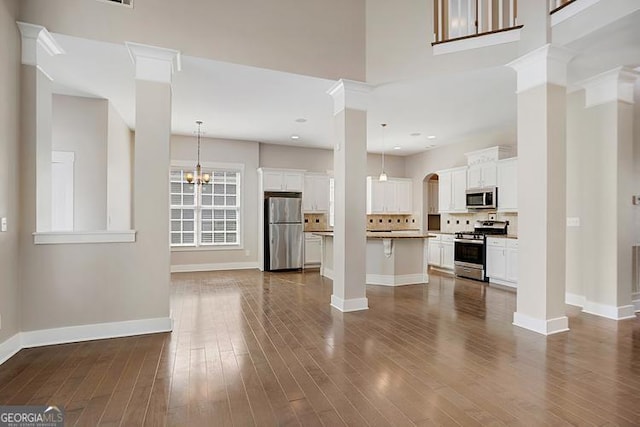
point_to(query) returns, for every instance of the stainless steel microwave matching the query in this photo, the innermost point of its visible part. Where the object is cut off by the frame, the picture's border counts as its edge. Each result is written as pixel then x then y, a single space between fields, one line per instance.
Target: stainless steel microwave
pixel 482 198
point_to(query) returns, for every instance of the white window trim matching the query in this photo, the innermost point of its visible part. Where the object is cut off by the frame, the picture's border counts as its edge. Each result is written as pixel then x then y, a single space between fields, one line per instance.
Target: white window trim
pixel 239 167
pixel 75 237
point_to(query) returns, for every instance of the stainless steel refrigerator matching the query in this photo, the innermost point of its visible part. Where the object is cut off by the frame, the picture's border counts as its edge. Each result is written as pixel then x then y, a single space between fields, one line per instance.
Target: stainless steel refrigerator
pixel 283 232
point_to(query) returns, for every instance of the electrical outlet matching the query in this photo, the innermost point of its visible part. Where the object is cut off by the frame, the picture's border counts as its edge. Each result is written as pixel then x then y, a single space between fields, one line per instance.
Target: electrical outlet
pixel 573 222
pixel 3 224
pixel 635 200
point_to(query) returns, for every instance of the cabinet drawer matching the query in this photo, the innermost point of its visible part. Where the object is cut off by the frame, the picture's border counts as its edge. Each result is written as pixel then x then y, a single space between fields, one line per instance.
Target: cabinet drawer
pixel 495 241
pixel 512 243
pixel 447 237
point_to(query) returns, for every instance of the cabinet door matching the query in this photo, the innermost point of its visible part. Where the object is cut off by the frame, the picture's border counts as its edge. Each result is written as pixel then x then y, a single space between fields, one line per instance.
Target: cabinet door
pixel 293 181
pixel 512 265
pixel 508 186
pixel 459 188
pixel 375 196
pixel 447 255
pixel 322 193
pixel 489 175
pixel 474 177
pixel 272 181
pixel 309 194
pixel 312 252
pixel 403 197
pixel 433 197
pixel 435 257
pixel 389 195
pixel 444 192
pixel 496 262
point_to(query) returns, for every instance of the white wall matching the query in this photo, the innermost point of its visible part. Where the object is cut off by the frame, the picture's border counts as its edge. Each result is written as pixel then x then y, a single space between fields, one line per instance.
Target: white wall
pixel 318 38
pixel 321 160
pixel 184 148
pixel 119 169
pixel 80 125
pixel 9 168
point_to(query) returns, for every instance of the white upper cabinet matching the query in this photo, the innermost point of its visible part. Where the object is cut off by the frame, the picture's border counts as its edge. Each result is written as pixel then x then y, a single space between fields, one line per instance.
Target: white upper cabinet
pixel 433 197
pixel 315 196
pixel 389 197
pixel 508 185
pixel 452 185
pixel 282 180
pixel 484 175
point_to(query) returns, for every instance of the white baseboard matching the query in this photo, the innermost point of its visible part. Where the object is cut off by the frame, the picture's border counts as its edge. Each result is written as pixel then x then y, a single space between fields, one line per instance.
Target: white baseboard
pixel 400 280
pixel 9 348
pixel 575 299
pixel 541 326
pixel 635 301
pixel 191 268
pixel 326 272
pixel 97 331
pixel 348 305
pixel 504 283
pixel 609 311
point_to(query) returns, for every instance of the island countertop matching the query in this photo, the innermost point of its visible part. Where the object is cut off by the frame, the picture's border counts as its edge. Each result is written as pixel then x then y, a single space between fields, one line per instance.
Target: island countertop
pixel 386 234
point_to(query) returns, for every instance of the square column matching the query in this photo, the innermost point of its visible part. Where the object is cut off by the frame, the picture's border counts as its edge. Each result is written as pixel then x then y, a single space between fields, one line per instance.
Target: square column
pixel 350 164
pixel 542 189
pixel 154 67
pixel 606 236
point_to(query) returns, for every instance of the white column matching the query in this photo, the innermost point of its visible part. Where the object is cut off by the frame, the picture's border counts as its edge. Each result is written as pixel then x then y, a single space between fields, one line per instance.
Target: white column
pixel 154 68
pixel 542 189
pixel 36 115
pixel 609 99
pixel 349 164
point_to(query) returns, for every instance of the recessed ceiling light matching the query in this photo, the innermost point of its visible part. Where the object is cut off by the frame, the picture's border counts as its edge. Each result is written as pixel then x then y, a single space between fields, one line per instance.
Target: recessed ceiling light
pixel 301 120
pixel 415 134
pixel 295 136
pixel 397 147
pixel 431 137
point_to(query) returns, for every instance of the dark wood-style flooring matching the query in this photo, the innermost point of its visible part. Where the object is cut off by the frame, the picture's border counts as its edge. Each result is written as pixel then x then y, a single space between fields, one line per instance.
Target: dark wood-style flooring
pixel 251 348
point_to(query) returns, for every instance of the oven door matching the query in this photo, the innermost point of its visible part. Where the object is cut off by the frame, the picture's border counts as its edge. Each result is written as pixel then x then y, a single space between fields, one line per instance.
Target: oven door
pixel 469 252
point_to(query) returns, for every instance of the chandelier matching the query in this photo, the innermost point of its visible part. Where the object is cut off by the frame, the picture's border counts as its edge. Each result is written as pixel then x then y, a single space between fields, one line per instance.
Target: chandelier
pixel 200 178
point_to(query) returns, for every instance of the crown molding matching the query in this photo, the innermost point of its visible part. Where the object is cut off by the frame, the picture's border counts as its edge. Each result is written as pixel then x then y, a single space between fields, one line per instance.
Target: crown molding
pixel 350 94
pixel 611 86
pixel 547 64
pixel 33 36
pixel 152 63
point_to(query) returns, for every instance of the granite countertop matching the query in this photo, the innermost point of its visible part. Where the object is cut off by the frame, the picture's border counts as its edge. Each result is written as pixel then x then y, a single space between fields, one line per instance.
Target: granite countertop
pixel 412 234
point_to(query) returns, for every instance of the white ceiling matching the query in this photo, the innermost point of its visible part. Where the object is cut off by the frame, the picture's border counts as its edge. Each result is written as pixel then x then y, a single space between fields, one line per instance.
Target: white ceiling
pixel 247 103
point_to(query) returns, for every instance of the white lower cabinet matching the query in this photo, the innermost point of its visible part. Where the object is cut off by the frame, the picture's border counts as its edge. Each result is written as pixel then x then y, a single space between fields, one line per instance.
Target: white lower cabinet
pixel 502 261
pixel 312 250
pixel 441 251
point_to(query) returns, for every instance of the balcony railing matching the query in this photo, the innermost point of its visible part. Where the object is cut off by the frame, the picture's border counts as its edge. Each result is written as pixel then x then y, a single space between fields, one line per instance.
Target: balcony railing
pixel 556 5
pixel 459 19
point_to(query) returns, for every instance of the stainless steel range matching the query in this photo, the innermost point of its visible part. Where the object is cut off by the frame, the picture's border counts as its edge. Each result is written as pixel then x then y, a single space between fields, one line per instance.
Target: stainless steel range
pixel 470 248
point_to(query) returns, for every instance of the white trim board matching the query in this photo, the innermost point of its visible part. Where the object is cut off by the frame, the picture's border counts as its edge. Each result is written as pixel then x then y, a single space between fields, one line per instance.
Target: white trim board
pixel 400 280
pixel 485 40
pixel 191 268
pixel 349 305
pixel 83 237
pixel 541 326
pixel 81 333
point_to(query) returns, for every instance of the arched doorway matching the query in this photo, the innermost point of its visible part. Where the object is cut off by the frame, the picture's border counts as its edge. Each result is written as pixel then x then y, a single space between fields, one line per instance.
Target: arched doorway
pixel 430 211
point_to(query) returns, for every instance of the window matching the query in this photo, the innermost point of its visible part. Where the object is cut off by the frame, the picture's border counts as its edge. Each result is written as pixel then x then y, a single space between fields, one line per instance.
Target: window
pixel 207 215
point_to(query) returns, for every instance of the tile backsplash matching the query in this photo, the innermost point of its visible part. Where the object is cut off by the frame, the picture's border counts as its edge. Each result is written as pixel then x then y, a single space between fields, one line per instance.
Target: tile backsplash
pixel 452 223
pixel 316 222
pixel 392 222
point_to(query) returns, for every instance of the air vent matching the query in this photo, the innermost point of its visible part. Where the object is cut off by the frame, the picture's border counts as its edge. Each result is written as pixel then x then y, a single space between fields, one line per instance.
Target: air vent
pixel 127 3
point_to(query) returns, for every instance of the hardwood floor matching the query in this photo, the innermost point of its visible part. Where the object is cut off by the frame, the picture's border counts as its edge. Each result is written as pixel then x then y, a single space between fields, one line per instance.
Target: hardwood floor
pixel 251 348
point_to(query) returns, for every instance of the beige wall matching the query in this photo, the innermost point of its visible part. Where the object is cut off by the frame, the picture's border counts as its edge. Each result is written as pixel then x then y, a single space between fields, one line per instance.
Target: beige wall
pixel 79 125
pixel 317 38
pixel 183 148
pixel 321 160
pixel 9 182
pixel 448 156
pixel 119 168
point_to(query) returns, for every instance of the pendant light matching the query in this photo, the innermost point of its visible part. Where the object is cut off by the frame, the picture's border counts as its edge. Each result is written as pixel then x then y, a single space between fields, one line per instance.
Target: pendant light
pixel 199 178
pixel 383 174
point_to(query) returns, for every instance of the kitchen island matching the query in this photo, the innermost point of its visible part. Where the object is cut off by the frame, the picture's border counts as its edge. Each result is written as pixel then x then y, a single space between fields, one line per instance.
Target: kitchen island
pixel 394 258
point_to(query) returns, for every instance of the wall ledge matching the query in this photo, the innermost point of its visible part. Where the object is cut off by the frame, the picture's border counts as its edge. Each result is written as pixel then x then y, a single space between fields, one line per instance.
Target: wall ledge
pixel 79 237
